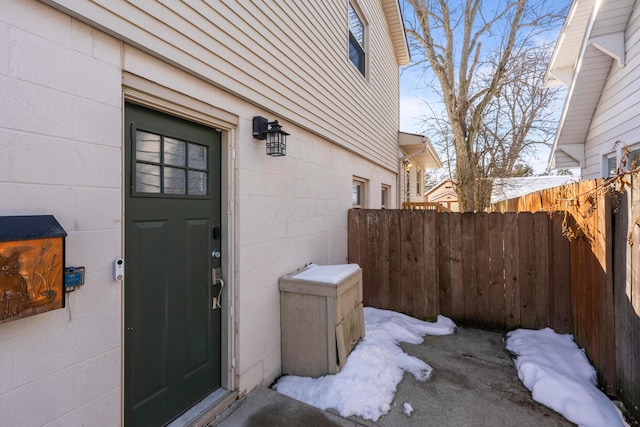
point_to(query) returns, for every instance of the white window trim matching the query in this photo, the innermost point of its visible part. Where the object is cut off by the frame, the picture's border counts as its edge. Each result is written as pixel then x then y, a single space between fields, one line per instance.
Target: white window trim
pixel 633 147
pixel 387 189
pixel 617 152
pixel 604 159
pixel 364 199
pixel 365 23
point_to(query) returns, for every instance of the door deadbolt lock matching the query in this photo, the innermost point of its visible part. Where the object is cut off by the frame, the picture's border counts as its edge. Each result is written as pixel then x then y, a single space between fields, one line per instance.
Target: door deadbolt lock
pixel 216 254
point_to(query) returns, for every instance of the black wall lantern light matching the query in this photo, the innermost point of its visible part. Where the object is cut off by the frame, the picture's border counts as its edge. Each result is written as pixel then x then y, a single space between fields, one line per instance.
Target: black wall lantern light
pixel 273 133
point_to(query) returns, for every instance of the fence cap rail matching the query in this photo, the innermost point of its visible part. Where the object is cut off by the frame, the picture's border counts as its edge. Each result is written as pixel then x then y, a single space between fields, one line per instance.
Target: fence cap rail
pixel 434 206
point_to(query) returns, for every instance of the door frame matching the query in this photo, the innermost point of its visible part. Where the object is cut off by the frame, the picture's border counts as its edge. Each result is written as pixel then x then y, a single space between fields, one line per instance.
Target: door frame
pixel 138 90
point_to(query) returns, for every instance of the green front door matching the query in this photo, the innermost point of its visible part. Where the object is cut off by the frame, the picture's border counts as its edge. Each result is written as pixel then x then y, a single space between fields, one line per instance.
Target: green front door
pixel 172 243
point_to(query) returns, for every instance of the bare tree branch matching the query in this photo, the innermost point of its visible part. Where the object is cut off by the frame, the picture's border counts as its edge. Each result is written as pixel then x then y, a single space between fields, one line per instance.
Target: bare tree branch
pixel 475 50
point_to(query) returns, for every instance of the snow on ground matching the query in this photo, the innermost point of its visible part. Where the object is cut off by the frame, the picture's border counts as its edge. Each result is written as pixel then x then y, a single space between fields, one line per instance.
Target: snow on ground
pixel 550 365
pixel 368 381
pixel 559 376
pixel 407 409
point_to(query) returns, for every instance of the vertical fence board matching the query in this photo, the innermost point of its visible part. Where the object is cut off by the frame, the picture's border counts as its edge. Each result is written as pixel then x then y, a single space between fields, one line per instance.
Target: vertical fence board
pixel 512 270
pixel 634 299
pixel 382 262
pixel 560 276
pixel 622 295
pixel 353 231
pixel 457 276
pixel 395 262
pixel 470 292
pixel 445 284
pixel 578 286
pixel 405 289
pixel 607 337
pixel 541 268
pixel 496 265
pixel 483 273
pixel 430 279
pixel 418 298
pixel 373 243
pixel 363 255
pixel 526 270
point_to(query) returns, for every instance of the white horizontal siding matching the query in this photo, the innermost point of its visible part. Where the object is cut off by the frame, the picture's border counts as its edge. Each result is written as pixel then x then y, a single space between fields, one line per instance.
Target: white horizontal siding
pixel 289 58
pixel 618 111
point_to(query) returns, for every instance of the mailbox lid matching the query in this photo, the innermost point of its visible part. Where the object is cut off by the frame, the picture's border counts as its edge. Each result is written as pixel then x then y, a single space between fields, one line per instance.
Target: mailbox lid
pixel 28 227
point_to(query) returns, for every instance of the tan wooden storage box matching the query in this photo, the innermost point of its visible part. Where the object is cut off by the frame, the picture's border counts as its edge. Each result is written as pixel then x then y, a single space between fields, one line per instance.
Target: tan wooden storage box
pixel 321 321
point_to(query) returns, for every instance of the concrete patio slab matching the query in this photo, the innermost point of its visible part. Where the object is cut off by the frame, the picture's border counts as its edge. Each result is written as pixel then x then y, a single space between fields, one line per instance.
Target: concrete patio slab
pixel 474 384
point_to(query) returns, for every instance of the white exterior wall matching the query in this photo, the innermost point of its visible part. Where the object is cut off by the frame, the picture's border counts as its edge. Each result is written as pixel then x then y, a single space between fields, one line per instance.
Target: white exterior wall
pixel 61 144
pixel 291 211
pixel 618 110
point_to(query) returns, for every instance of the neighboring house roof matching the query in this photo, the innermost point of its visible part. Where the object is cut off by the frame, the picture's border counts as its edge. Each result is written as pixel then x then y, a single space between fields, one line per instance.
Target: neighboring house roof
pixel 444 187
pixel 511 188
pixel 591 39
pixel 418 149
pixel 396 30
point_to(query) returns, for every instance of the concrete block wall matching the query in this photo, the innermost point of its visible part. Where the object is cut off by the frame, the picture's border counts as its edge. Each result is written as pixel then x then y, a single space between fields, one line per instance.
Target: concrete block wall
pixel 292 211
pixel 60 139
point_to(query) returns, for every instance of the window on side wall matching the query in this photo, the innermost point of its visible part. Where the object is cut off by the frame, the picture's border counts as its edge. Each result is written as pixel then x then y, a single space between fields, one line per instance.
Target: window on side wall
pixel 610 163
pixel 356 39
pixel 384 200
pixel 358 197
pixel 418 180
pixel 634 158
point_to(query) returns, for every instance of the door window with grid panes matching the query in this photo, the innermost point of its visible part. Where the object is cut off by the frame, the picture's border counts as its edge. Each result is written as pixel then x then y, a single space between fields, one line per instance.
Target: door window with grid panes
pixel 169 166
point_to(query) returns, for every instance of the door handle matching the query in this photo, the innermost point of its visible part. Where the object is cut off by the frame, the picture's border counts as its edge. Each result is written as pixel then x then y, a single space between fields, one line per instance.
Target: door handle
pixel 216 274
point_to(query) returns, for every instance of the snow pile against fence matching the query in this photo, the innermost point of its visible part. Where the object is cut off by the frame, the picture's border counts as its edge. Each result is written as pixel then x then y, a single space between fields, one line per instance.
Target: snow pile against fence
pixel 559 376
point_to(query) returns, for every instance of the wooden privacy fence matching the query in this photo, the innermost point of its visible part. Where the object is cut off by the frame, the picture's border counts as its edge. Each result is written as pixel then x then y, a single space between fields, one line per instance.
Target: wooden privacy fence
pixel 491 270
pixel 610 225
pixel 574 270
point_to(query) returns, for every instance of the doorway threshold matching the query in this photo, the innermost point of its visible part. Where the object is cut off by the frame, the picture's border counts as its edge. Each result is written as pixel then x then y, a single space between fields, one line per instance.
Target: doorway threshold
pixel 205 410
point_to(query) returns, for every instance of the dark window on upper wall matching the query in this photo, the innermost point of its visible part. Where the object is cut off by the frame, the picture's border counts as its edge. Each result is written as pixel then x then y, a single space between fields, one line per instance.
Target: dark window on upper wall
pixel 356 40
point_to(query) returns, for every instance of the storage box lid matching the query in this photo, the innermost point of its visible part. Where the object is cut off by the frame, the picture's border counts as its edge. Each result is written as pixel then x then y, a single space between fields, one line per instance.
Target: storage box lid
pixel 29 227
pixel 326 273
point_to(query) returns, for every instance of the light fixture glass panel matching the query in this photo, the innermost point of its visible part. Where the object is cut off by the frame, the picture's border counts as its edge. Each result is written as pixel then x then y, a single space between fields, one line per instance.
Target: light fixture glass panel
pixel 174 152
pixel 197 156
pixel 197 183
pixel 147 178
pixel 147 146
pixel 174 181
